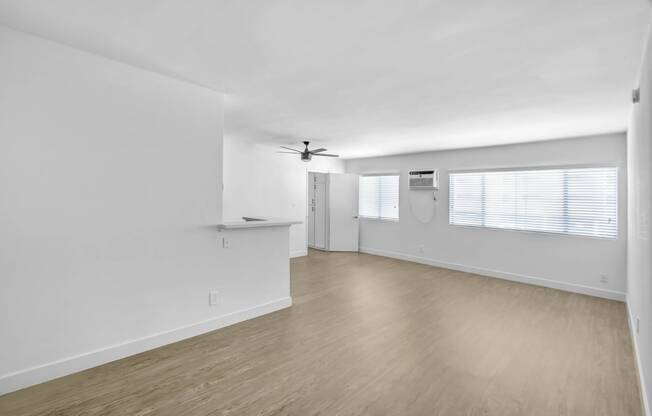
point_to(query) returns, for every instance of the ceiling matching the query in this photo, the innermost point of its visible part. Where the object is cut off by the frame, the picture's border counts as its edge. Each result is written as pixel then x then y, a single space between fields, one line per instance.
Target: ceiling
pixel 367 78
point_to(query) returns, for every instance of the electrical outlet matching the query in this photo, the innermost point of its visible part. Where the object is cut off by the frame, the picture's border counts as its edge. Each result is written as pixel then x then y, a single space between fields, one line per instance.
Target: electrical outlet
pixel 604 279
pixel 421 249
pixel 226 243
pixel 212 298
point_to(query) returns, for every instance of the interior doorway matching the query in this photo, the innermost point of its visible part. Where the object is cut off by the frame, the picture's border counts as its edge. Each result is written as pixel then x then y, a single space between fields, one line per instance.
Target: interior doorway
pixel 333 211
pixel 317 207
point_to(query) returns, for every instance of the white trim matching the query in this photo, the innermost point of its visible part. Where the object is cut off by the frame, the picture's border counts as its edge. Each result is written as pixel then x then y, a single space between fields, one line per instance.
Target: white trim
pixel 639 367
pixel 41 373
pixel 515 277
pixel 298 253
pixel 382 173
pixel 641 67
pixel 519 168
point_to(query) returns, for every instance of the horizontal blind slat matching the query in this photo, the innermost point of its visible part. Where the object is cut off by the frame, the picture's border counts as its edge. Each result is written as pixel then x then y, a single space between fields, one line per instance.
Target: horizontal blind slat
pixel 379 196
pixel 581 201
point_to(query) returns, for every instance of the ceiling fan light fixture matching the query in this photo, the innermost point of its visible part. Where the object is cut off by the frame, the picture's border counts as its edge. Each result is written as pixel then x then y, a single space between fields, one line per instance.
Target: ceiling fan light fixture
pixel 307 154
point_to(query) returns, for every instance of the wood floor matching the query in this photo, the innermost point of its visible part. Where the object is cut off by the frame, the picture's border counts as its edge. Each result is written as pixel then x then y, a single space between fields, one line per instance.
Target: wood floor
pixel 369 335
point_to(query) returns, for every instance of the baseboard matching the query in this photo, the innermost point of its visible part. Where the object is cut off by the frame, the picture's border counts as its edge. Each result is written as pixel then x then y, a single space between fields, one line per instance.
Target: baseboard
pixel 641 380
pixel 538 281
pixel 298 253
pixel 39 374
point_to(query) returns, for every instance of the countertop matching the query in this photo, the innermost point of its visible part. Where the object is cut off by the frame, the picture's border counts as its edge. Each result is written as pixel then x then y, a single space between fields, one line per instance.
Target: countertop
pixel 255 222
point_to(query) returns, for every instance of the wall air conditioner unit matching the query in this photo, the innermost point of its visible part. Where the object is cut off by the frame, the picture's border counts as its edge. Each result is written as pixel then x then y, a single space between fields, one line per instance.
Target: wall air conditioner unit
pixel 424 179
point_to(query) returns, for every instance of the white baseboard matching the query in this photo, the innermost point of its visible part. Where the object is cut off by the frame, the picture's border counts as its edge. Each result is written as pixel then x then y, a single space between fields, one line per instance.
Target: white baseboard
pixel 39 374
pixel 538 281
pixel 298 253
pixel 639 367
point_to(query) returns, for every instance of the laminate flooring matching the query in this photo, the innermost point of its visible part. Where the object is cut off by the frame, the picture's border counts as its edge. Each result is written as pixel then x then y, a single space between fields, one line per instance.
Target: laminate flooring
pixel 369 335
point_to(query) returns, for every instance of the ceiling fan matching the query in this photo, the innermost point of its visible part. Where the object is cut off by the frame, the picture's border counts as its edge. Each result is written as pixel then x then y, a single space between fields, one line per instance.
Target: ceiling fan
pixel 307 154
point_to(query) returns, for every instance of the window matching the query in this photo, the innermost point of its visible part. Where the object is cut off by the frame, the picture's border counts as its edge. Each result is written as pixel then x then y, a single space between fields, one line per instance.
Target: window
pixel 580 201
pixel 379 196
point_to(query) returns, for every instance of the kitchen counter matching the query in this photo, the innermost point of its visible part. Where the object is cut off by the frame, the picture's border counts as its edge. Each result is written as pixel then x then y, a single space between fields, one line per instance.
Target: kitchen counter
pixel 255 222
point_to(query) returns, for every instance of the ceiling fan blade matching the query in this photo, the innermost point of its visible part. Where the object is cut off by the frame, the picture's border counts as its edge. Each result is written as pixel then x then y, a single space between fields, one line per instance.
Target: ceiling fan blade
pixel 291 153
pixel 289 148
pixel 321 149
pixel 326 154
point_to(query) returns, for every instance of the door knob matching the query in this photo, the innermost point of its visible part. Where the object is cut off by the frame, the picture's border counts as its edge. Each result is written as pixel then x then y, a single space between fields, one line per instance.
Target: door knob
pixel 355 217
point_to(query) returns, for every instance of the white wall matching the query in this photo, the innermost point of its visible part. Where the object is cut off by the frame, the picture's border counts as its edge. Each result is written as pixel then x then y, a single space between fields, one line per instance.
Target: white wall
pixel 260 182
pixel 109 192
pixel 639 259
pixel 567 262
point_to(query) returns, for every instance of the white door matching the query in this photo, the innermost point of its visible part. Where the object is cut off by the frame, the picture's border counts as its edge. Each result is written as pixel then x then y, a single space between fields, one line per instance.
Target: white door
pixel 343 208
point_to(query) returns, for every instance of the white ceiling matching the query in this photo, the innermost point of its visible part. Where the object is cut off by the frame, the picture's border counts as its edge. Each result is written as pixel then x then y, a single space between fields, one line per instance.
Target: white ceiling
pixel 376 77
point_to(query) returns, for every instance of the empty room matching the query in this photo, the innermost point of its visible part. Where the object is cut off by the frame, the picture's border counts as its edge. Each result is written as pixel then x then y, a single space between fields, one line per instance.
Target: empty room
pixel 265 207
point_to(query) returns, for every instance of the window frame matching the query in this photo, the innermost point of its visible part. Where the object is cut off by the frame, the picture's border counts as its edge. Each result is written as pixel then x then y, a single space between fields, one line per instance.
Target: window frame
pixel 617 166
pixel 379 218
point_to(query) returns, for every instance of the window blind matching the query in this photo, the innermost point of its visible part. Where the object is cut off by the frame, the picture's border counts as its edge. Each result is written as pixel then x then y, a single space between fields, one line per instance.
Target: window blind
pixel 577 201
pixel 379 196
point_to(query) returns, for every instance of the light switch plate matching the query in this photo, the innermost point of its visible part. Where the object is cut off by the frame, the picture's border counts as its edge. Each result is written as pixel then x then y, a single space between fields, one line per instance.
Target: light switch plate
pixel 212 298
